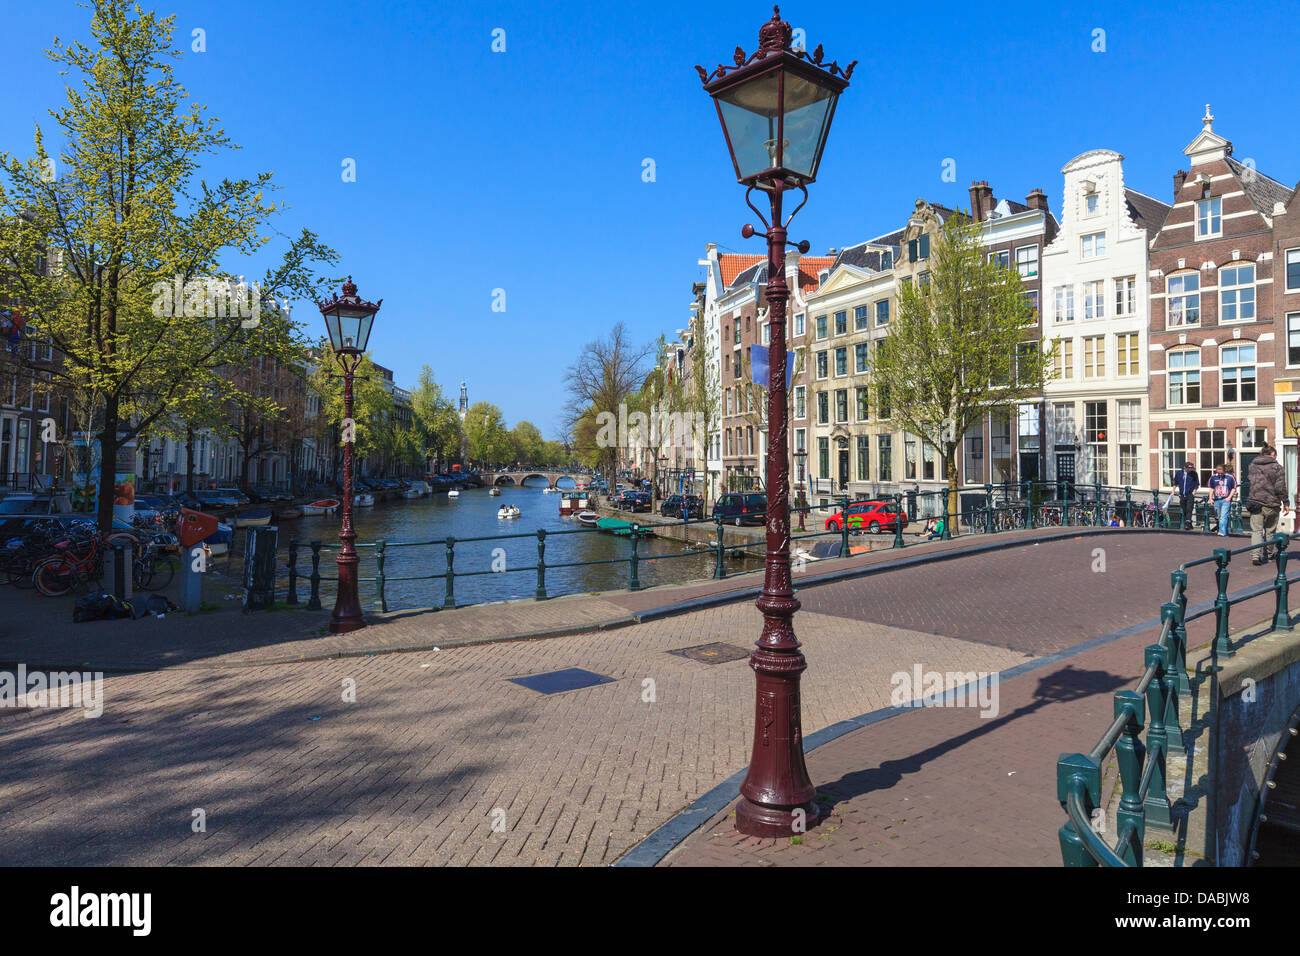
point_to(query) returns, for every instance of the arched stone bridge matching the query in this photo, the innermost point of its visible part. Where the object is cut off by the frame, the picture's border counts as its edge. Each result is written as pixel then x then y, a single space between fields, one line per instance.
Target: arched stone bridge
pixel 519 476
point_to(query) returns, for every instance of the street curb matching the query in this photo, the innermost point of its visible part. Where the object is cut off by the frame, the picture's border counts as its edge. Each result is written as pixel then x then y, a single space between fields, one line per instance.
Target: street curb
pixel 668 836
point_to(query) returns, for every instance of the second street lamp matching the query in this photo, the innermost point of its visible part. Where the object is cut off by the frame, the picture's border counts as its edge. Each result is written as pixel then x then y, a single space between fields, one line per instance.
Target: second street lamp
pixel 776 108
pixel 348 319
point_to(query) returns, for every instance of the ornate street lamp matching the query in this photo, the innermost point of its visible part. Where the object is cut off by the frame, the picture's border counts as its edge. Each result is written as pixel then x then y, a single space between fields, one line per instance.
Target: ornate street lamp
pixel 776 108
pixel 348 320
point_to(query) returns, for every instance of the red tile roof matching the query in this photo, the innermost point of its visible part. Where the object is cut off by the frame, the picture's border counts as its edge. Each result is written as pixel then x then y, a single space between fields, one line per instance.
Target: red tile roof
pixel 733 265
pixel 809 266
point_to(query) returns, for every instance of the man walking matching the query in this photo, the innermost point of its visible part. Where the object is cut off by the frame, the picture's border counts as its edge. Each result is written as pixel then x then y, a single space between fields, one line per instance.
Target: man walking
pixel 1267 494
pixel 1223 488
pixel 1185 483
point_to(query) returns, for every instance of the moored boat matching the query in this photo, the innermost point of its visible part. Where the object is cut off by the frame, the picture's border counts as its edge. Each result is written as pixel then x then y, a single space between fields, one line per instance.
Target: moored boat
pixel 588 518
pixel 288 514
pixel 572 502
pixel 623 528
pixel 324 506
pixel 418 489
pixel 254 517
pixel 494 492
pixel 363 500
pixel 219 541
pixel 454 493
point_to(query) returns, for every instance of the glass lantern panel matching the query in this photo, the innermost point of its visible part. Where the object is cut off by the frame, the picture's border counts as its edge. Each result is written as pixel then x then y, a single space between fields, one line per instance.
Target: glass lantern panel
pixel 749 113
pixel 807 116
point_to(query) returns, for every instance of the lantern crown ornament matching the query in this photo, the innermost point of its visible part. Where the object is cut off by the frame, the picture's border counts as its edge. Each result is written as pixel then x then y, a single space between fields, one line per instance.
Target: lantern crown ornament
pixel 776 107
pixel 349 319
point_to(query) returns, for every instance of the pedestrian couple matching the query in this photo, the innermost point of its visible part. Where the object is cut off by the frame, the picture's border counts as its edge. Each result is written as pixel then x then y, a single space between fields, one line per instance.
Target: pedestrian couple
pixel 1223 491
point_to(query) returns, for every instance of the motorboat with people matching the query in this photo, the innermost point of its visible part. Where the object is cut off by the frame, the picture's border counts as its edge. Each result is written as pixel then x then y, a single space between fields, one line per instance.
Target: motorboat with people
pixel 453 493
pixel 494 492
pixel 325 506
pixel 508 511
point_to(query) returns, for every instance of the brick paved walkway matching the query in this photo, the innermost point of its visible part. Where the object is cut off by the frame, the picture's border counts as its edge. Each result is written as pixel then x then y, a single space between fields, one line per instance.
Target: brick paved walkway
pixel 438 746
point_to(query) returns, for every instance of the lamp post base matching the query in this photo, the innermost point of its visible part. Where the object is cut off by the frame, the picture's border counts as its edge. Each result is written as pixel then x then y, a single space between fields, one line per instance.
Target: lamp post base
pixel 755 819
pixel 346 625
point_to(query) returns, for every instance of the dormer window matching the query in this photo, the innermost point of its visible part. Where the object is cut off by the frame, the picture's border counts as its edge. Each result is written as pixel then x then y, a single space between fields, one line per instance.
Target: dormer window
pixel 1209 217
pixel 1091 204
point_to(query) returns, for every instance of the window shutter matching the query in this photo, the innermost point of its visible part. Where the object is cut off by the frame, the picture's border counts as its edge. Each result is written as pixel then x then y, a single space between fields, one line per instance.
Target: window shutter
pixel 925 247
pixel 911 250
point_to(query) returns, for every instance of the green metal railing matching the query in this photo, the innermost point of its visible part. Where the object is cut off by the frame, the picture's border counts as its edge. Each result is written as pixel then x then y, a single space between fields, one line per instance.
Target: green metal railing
pixel 1144 799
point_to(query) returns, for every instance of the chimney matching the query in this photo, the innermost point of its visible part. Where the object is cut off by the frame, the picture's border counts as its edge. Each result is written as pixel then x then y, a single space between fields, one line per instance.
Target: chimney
pixel 1180 177
pixel 1037 200
pixel 981 200
pixel 832 251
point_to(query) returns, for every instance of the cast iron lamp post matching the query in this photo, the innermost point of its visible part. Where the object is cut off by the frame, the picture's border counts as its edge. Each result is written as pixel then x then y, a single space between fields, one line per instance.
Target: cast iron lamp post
pixel 776 108
pixel 348 319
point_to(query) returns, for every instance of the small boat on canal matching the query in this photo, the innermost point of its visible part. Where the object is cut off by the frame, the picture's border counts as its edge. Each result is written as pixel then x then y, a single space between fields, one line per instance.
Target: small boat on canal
pixel 589 518
pixel 453 493
pixel 572 502
pixel 288 514
pixel 508 511
pixel 324 506
pixel 363 500
pixel 253 518
pixel 623 528
pixel 494 492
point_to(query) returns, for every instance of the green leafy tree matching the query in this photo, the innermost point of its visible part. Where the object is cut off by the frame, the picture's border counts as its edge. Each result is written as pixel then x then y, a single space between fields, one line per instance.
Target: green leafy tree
pixel 372 405
pixel 123 215
pixel 436 424
pixel 485 429
pixel 528 443
pixel 960 347
pixel 605 375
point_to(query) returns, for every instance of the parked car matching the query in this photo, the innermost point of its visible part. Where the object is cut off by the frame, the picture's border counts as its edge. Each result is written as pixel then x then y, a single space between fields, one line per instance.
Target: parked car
pixel 873 516
pixel 234 497
pixel 672 506
pixel 742 508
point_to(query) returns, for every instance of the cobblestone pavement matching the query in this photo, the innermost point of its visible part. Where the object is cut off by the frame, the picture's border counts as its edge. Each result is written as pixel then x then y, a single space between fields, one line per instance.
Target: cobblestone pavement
pixel 440 746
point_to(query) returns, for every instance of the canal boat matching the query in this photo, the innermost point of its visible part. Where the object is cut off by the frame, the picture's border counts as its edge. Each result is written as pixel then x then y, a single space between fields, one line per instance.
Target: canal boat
pixel 324 506
pixel 589 518
pixel 288 514
pixel 219 541
pixel 364 500
pixel 418 489
pixel 623 528
pixel 508 511
pixel 494 492
pixel 253 518
pixel 572 502
pixel 453 493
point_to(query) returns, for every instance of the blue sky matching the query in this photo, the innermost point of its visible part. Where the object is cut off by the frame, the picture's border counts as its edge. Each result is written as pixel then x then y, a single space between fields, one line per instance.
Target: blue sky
pixel 522 170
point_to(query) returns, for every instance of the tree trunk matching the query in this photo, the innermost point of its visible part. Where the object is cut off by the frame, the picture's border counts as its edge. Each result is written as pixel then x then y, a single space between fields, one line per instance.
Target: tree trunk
pixel 189 461
pixel 107 466
pixel 954 506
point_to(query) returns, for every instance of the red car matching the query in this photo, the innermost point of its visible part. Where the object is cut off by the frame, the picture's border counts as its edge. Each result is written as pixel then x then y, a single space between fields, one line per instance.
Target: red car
pixel 873 516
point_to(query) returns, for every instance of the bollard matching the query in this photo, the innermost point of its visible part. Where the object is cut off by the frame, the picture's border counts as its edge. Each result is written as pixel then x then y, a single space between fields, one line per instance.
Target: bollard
pixel 898 525
pixel 719 572
pixel 292 597
pixel 379 575
pixel 1128 522
pixel 1282 615
pixel 1222 646
pixel 1156 802
pixel 313 602
pixel 634 582
pixel 259 567
pixel 988 509
pixel 449 601
pixel 1128 754
pixel 844 528
pixel 541 565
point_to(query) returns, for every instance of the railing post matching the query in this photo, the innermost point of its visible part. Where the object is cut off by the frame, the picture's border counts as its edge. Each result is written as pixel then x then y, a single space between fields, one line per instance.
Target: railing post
pixel 1156 801
pixel 1128 754
pixel 292 596
pixel 313 602
pixel 1029 504
pixel 379 575
pixel 449 601
pixel 1128 508
pixel 1222 645
pixel 634 582
pixel 898 523
pixel 947 518
pixel 1077 772
pixel 1282 615
pixel 541 565
pixel 988 509
pixel 719 572
pixel 844 528
pixel 1065 508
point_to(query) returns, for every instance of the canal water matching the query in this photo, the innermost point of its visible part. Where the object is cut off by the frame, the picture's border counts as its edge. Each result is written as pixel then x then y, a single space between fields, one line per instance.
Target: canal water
pixel 510 545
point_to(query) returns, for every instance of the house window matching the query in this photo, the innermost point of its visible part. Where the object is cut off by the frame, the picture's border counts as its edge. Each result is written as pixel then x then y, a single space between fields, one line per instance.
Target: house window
pixel 885 456
pixel 1001 259
pixel 1293 338
pixel 824 457
pixel 1237 372
pixel 1237 293
pixel 736 336
pixel 1091 204
pixel 800 402
pixel 860 321
pixel 1027 422
pixel 799 323
pixel 1094 356
pixel 767 334
pixel 973 466
pixel 918 248
pixel 882 401
pixel 1031 303
pixel 822 367
pixel 1293 270
pixel 882 312
pixel 729 443
pixel 1184 376
pixel 1126 353
pixel 727 394
pixel 1130 440
pixel 927 462
pixel 821 327
pixel 1094 300
pixel 841 405
pixel 842 360
pixel 1209 218
pixel 864 457
pixel 1064 297
pixel 862 393
pixel 1027 261
pixel 860 357
pixel 909 458
pixel 1093 246
pixel 823 408
pixel 1249 439
pixel 1095 442
pixel 1173 455
pixel 738 365
pixel 1065 359
pixel 841 323
pixel 1184 295
pixel 1000 446
pixel 1063 423
pixel 1211 451
pixel 1126 295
